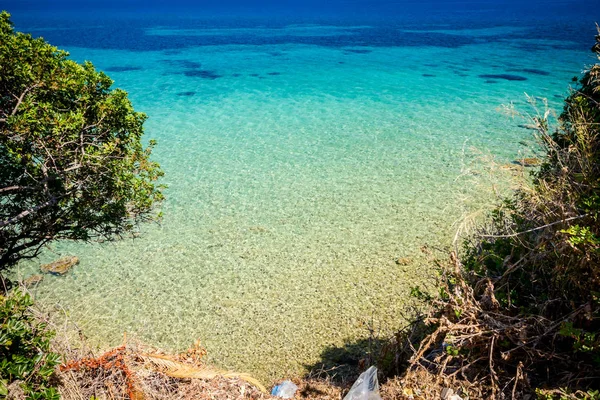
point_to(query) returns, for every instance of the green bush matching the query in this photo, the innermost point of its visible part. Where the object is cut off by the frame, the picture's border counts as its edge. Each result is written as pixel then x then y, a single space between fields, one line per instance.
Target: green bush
pixel 25 356
pixel 72 162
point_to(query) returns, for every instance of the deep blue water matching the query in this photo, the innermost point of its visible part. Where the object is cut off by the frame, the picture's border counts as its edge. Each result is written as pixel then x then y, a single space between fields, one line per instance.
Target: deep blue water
pixel 124 27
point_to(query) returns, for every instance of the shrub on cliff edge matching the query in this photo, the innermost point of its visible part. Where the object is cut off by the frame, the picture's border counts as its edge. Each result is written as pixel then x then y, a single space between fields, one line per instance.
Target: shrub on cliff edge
pixel 72 165
pixel 519 310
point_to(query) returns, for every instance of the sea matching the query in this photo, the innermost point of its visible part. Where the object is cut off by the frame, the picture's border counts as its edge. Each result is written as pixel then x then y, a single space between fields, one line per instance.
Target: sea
pixel 318 158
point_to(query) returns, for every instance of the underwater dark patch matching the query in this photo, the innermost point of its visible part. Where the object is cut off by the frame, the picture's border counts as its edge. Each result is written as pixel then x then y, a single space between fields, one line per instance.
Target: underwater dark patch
pixel 358 51
pixel 341 62
pixel 429 75
pixel 183 64
pixel 187 94
pixel 273 73
pixel 531 46
pixel 255 75
pixel 536 71
pixel 506 77
pixel 134 34
pixel 527 126
pixel 561 47
pixel 124 68
pixel 558 96
pixel 236 75
pixel 491 81
pixel 202 73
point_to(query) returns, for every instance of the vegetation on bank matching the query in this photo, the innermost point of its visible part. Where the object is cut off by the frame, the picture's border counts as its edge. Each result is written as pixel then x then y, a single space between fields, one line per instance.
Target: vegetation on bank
pixel 518 314
pixel 27 365
pixel 518 311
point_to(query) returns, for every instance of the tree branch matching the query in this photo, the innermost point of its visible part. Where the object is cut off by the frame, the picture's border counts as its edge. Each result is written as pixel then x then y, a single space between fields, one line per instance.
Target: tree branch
pixel 536 229
pixel 22 97
pixel 25 213
pixel 10 188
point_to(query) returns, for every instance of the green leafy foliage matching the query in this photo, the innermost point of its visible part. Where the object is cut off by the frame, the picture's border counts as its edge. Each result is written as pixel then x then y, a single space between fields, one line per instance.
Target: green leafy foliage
pixel 72 164
pixel 580 236
pixel 565 394
pixel 452 351
pixel 583 341
pixel 542 253
pixel 419 294
pixel 25 356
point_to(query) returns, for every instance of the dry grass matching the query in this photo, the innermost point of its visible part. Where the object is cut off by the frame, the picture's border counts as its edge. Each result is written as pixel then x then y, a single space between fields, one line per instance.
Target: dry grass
pixel 133 371
pixel 161 376
pixel 481 351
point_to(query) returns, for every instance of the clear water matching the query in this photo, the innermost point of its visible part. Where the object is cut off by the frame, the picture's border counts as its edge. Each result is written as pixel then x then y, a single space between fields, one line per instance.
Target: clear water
pixel 303 157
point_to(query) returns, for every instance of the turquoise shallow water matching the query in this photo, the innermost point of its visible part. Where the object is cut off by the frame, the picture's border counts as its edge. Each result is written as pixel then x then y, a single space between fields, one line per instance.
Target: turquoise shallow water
pixel 298 173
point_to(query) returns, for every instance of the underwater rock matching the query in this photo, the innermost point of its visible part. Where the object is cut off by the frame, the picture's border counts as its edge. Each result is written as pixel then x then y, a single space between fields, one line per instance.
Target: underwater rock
pixel 358 51
pixel 403 261
pixel 186 93
pixel 188 64
pixel 61 266
pixel 273 73
pixel 33 280
pixel 507 77
pixel 122 68
pixel 528 126
pixel 490 81
pixel 529 162
pixel 536 71
pixel 512 167
pixel 429 75
pixel 258 229
pixel 202 73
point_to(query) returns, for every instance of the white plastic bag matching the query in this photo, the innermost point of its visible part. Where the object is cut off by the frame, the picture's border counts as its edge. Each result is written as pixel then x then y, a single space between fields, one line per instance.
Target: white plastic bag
pixel 366 387
pixel 285 390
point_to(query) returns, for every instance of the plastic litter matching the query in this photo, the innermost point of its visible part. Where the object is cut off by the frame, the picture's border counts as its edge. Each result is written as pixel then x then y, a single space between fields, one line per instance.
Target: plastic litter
pixel 366 387
pixel 448 394
pixel 285 390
